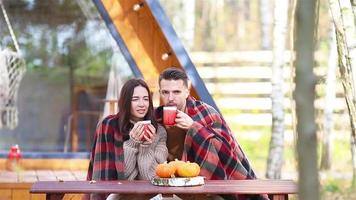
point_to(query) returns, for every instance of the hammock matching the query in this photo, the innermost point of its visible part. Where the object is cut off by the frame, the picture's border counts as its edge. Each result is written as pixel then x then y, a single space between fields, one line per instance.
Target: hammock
pixel 12 69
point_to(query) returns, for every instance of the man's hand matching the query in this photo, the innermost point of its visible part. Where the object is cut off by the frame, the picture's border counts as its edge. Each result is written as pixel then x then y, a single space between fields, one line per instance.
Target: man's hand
pixel 183 120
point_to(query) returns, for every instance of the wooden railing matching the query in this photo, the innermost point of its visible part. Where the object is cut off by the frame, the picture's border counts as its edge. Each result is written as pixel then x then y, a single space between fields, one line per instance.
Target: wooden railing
pixel 240 83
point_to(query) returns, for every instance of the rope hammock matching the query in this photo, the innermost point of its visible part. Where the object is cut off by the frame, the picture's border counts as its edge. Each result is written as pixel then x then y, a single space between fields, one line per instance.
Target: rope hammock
pixel 12 69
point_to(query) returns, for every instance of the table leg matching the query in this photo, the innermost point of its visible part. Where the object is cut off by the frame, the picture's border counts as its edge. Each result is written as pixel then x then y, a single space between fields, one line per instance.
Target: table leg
pixel 54 196
pixel 279 197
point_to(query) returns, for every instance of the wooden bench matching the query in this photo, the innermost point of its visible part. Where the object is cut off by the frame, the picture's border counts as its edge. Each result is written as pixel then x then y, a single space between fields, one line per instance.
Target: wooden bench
pixel 276 189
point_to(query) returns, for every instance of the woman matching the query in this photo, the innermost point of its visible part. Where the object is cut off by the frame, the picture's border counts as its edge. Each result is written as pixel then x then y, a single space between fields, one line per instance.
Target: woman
pixel 122 149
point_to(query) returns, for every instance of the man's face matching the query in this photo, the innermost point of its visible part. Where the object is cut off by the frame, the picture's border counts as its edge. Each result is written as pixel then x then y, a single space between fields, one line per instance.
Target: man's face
pixel 173 93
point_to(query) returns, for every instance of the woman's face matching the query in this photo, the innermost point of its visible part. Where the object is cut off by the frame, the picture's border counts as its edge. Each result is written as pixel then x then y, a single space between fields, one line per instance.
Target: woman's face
pixel 139 103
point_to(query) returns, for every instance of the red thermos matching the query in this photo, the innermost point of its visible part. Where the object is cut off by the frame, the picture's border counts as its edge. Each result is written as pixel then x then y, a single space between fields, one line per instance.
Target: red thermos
pixel 13 158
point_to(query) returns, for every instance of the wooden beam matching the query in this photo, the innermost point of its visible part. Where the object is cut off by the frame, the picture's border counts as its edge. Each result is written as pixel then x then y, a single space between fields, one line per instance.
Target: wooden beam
pixel 144 35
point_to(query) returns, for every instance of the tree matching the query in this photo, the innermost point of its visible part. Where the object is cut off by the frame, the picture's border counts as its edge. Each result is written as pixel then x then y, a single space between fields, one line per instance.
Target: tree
pixel 265 17
pixel 329 103
pixel 343 17
pixel 204 18
pixel 275 156
pixel 304 95
pixel 184 20
pixel 353 3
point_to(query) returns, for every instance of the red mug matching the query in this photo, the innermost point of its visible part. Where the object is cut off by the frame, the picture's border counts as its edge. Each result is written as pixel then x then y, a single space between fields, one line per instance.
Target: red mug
pixel 169 115
pixel 145 124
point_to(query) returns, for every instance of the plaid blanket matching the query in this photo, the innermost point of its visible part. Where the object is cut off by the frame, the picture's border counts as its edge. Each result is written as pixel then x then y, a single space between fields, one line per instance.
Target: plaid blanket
pixel 107 155
pixel 211 144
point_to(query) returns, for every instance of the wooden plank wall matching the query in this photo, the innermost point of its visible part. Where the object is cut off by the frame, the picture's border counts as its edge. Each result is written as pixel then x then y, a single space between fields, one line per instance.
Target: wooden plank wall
pixel 240 85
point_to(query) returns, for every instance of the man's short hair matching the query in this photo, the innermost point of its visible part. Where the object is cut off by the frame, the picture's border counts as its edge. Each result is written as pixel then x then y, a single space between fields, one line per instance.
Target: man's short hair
pixel 174 73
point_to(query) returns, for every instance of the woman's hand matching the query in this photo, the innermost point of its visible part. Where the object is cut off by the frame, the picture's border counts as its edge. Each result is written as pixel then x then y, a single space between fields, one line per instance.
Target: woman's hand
pixel 137 132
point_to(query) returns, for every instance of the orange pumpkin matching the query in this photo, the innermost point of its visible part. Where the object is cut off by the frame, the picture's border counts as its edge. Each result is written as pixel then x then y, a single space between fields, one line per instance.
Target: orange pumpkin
pixel 165 170
pixel 188 169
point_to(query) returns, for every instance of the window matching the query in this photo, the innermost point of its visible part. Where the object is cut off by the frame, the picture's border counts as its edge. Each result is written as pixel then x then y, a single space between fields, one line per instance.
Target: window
pixel 68 52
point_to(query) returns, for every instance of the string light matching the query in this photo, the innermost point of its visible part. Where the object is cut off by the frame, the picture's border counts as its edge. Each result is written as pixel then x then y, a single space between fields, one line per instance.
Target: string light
pixel 137 6
pixel 165 56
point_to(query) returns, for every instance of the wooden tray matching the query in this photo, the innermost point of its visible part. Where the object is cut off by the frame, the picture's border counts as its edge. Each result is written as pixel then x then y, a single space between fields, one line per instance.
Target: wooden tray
pixel 179 182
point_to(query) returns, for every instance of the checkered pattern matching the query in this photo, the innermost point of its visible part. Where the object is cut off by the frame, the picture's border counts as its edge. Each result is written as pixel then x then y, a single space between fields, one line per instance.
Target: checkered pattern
pixel 107 155
pixel 211 144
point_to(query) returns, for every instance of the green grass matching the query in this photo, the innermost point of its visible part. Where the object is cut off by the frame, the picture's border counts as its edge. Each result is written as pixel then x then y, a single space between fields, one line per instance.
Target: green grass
pixel 337 189
pixel 332 187
pixel 257 152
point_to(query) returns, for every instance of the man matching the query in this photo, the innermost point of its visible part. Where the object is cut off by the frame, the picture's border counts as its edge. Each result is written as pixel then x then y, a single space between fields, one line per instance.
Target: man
pixel 200 134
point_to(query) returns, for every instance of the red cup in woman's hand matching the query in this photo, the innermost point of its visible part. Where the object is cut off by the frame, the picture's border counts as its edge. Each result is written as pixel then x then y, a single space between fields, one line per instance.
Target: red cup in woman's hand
pixel 145 124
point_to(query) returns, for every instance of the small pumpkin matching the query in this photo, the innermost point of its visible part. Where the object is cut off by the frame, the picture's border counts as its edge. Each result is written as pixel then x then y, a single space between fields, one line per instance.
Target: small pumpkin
pixel 188 169
pixel 165 170
pixel 176 163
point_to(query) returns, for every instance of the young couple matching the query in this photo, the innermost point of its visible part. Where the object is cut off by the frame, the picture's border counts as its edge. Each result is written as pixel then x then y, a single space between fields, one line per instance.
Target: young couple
pixel 121 150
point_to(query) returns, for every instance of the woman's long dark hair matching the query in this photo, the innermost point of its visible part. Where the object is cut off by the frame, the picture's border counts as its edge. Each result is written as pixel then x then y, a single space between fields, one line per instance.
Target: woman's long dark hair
pixel 125 105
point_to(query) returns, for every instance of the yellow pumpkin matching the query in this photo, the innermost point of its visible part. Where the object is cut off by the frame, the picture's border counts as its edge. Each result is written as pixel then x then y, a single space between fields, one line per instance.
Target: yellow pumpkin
pixel 165 170
pixel 176 163
pixel 188 169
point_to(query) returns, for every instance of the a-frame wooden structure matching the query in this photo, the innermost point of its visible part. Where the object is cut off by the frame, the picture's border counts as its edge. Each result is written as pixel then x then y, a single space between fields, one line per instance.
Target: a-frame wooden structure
pixel 148 41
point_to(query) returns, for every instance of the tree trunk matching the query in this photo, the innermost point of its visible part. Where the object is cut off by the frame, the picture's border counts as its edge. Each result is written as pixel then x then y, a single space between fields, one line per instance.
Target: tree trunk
pixel 292 75
pixel 275 157
pixel 329 103
pixel 353 149
pixel 304 97
pixel 353 4
pixel 345 36
pixel 241 16
pixel 265 17
pixel 184 20
pixel 203 35
pixel 353 153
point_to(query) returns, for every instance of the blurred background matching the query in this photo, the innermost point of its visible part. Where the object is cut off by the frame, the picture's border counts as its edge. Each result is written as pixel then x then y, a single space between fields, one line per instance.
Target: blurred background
pixel 69 54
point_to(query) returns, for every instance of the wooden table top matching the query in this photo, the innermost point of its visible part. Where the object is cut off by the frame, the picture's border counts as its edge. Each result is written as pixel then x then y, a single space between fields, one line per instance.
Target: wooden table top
pixel 145 187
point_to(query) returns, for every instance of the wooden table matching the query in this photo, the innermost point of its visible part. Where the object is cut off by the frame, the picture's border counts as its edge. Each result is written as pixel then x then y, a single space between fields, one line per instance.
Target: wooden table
pixel 276 189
